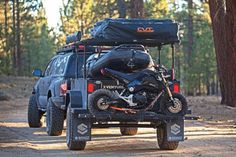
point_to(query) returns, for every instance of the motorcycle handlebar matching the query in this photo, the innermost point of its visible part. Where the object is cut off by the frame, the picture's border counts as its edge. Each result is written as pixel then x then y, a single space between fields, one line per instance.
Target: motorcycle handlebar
pixel 162 69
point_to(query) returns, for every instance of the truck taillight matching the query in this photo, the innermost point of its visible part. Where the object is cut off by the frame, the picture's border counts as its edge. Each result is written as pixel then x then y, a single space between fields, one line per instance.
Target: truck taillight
pixel 63 88
pixel 81 47
pixel 90 88
pixel 176 88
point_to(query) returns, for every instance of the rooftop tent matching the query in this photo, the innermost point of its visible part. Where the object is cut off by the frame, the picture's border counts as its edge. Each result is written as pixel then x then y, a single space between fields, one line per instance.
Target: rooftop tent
pixel 162 31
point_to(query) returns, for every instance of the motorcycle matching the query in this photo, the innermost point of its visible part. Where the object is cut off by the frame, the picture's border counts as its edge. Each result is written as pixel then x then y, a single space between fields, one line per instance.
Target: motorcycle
pixel 146 90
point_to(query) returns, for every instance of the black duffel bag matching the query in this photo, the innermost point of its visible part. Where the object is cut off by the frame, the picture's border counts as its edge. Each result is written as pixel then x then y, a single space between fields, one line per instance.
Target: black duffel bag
pixel 122 59
pixel 164 31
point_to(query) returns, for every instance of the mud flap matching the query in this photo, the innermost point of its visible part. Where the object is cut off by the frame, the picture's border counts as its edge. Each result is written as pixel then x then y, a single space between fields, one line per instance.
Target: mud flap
pixel 76 99
pixel 175 130
pixel 81 125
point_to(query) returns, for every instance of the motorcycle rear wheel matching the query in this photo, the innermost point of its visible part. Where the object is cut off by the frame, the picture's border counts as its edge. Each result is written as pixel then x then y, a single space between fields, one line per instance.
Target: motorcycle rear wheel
pixel 98 102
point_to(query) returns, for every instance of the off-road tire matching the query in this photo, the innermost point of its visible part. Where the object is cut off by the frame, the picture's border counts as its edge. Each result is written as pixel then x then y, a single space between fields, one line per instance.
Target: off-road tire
pixel 178 96
pixel 93 98
pixel 71 143
pixel 162 140
pixel 128 131
pixel 54 119
pixel 34 114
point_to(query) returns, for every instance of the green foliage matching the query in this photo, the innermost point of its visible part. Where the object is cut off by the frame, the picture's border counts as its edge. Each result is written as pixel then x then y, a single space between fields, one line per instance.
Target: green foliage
pixel 81 15
pixel 37 41
pixel 39 49
pixel 196 78
pixel 5 54
pixel 196 72
pixel 156 8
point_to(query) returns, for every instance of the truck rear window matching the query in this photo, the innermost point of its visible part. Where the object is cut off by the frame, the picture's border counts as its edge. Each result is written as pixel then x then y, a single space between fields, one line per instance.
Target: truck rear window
pixel 76 61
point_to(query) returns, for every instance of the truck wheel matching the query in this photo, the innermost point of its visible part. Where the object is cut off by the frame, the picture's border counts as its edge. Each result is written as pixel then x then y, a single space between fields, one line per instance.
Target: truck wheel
pixel 128 131
pixel 72 144
pixel 34 114
pixel 97 101
pixel 162 141
pixel 179 109
pixel 54 119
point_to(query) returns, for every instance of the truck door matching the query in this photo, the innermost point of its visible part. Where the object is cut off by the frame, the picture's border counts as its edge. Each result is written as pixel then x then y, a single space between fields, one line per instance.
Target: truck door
pixel 45 83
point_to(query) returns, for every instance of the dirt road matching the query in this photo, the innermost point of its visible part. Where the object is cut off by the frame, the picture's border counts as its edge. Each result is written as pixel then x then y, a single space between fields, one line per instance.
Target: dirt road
pixel 215 135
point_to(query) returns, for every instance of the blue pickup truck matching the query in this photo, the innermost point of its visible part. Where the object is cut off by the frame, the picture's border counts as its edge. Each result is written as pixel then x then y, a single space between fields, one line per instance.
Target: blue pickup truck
pixel 49 92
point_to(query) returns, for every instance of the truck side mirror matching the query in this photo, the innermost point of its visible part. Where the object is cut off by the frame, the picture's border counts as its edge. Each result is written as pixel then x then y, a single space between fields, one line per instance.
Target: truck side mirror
pixel 37 73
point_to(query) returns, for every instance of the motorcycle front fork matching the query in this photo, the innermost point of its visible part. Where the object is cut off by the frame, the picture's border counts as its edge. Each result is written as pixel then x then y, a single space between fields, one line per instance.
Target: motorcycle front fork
pixel 167 88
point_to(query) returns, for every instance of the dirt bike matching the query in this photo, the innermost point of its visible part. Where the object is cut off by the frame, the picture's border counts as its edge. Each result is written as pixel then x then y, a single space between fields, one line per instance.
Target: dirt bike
pixel 146 90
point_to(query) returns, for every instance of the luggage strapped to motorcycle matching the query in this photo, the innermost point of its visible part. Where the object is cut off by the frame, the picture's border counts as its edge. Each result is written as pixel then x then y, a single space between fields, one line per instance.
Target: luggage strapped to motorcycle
pixel 147 42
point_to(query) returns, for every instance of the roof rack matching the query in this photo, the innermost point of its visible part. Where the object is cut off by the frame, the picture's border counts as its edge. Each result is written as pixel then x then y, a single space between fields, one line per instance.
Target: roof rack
pixel 67 48
pixel 144 42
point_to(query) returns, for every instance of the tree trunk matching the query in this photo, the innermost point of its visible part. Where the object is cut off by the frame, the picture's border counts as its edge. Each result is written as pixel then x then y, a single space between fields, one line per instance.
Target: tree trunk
pixel 6 25
pixel 231 52
pixel 7 47
pixel 190 41
pixel 208 86
pixel 190 28
pixel 224 32
pixel 6 22
pixel 14 37
pixel 121 8
pixel 199 85
pixel 217 85
pixel 137 9
pixel 18 42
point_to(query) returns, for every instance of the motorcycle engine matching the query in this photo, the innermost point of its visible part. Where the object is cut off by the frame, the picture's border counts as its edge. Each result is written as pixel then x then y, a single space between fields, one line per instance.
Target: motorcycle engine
pixel 140 98
pixel 135 100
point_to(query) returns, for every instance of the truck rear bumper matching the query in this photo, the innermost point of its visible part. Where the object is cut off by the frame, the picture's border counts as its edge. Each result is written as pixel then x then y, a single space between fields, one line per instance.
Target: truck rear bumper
pixel 84 121
pixel 146 116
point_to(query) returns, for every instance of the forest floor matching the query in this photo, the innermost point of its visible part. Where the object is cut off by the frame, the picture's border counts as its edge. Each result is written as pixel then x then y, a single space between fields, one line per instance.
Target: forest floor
pixel 213 135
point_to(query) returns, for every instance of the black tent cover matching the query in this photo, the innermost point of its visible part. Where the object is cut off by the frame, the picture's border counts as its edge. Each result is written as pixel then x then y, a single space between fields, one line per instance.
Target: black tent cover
pixel 160 31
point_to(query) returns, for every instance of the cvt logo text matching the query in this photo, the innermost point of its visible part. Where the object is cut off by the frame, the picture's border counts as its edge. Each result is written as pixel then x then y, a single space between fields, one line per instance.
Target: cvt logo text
pixel 145 30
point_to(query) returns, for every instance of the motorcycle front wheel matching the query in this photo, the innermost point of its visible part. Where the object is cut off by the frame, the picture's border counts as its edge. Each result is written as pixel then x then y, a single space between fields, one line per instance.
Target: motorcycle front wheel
pixel 177 108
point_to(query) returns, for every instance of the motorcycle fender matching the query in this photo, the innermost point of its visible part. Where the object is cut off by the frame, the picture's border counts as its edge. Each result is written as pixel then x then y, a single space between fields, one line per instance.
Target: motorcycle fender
pixel 175 130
